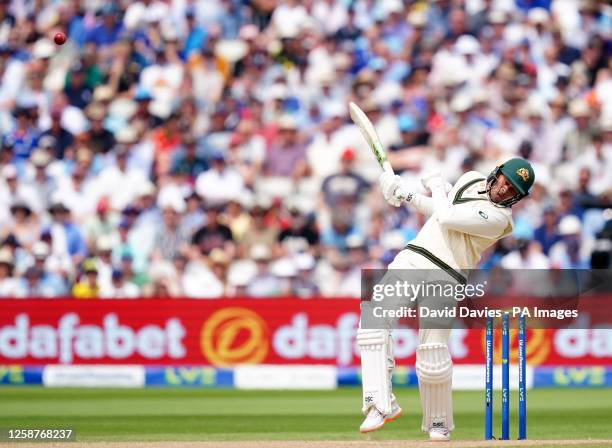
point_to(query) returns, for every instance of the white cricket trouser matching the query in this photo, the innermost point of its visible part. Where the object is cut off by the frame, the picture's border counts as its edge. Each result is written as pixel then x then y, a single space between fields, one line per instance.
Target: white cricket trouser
pixel 434 366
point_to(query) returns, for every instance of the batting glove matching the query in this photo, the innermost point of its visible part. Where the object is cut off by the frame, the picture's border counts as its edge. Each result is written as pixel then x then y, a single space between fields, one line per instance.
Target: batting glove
pixel 392 189
pixel 432 180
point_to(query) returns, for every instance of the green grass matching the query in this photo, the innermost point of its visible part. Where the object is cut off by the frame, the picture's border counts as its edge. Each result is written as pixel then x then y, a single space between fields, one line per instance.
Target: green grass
pixel 200 414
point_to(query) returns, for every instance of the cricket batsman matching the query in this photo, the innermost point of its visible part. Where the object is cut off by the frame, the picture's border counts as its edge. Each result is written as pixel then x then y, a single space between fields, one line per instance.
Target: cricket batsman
pixel 461 225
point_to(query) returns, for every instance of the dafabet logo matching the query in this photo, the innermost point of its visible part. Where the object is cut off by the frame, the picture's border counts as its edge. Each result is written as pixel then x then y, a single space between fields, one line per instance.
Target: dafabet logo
pixel 234 336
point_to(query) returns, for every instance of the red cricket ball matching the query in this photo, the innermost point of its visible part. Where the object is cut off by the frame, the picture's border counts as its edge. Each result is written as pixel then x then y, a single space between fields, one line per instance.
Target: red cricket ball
pixel 60 38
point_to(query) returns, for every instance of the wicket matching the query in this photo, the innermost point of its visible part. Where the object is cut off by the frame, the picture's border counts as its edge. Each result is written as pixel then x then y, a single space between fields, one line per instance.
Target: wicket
pixel 522 387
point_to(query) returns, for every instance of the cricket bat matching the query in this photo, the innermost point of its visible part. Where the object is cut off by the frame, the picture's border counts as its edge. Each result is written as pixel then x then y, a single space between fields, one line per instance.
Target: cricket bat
pixel 369 133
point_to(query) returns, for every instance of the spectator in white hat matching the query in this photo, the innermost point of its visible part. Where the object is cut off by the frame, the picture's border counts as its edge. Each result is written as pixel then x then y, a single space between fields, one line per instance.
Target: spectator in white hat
pixel 9 285
pixel 304 285
pixel 567 253
pixel 263 284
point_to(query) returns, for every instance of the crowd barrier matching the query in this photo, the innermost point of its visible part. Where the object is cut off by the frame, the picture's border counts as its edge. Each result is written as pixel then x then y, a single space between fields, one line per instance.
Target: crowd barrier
pixel 247 343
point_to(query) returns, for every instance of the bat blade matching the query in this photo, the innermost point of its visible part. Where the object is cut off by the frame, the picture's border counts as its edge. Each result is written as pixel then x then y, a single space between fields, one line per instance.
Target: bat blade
pixel 369 133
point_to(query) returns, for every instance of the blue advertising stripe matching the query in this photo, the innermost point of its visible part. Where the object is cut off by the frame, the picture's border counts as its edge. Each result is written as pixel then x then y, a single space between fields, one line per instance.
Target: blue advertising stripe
pixel 578 376
pixel 188 376
pixel 402 377
pixel 16 375
pixel 349 376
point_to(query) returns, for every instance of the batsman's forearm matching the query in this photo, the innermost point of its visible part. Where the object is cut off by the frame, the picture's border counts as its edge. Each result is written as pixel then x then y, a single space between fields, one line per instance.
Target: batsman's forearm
pixel 422 204
pixel 439 199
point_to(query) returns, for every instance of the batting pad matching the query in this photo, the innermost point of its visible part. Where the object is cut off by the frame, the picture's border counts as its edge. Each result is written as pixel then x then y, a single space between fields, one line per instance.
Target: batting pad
pixel 375 376
pixel 435 371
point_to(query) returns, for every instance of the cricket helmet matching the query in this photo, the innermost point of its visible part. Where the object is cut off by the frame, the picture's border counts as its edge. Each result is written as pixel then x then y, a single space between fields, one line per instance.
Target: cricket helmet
pixel 519 173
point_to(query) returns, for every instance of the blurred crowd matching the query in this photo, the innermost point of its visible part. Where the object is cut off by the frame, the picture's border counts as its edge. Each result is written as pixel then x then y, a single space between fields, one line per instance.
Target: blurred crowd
pixel 202 148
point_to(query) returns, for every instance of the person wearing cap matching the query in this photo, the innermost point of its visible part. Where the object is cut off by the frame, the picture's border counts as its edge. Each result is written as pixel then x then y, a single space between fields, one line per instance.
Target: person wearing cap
pixel 301 234
pixel 25 134
pixel 304 285
pixel 102 224
pixel 546 235
pixel 107 29
pixel 31 285
pixel 259 232
pixel 237 216
pixel 67 233
pixel 213 234
pixel 47 264
pixel 87 287
pixel 9 285
pixel 345 183
pixel 460 226
pixel 62 137
pixel 77 91
pixel 568 253
pixel 119 287
pixel 100 140
pixel 263 284
pixel 24 225
pixel 187 163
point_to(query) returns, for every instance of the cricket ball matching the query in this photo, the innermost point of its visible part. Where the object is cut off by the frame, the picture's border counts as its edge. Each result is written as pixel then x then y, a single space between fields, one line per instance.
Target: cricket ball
pixel 60 38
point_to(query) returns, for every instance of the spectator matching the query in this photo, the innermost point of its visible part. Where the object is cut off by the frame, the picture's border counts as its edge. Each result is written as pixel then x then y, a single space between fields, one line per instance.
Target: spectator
pixel 213 234
pixel 171 238
pixel 100 139
pixel 567 253
pixel 301 235
pixel 87 287
pixel 77 91
pixel 345 183
pixel 24 226
pixel 220 183
pixel 242 109
pixel 304 286
pixel 67 238
pixel 287 157
pixel 259 232
pixel 62 139
pixel 9 285
pixel 547 234
pixel 186 161
pixel 263 284
pixel 50 283
pixel 119 288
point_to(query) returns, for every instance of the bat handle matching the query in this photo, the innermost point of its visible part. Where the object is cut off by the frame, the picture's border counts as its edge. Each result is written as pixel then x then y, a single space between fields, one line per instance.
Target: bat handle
pixel 387 167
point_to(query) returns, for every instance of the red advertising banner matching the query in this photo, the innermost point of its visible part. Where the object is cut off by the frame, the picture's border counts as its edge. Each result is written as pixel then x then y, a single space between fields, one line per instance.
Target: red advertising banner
pixel 226 332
